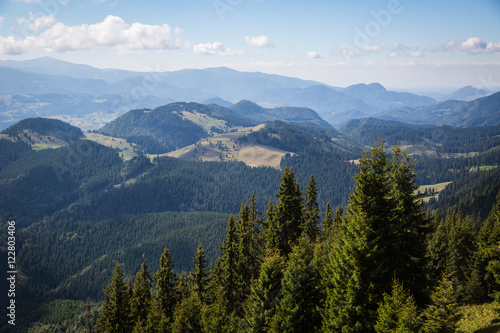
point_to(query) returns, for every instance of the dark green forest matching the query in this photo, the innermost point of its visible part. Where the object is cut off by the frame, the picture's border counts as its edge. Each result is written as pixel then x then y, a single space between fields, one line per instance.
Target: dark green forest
pixel 380 264
pixel 345 250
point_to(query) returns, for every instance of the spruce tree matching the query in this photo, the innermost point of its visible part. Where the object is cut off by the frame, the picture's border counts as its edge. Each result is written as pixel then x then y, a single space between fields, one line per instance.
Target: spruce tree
pixel 248 250
pixel 141 296
pixel 358 270
pixel 199 274
pixel 166 284
pixel 285 221
pixel 229 279
pixel 298 309
pixel 441 316
pixel 156 321
pixel 116 313
pixel 265 294
pixel 188 315
pixel 407 250
pixel 311 212
pixel 398 312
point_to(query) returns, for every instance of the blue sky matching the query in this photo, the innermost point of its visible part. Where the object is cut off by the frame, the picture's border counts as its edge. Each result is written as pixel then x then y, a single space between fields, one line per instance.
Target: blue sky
pixel 403 44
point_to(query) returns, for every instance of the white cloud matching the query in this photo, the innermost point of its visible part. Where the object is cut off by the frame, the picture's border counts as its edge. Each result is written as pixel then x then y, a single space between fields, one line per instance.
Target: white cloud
pixel 258 41
pixel 215 48
pixel 472 45
pixel 313 55
pixel 32 24
pixel 112 33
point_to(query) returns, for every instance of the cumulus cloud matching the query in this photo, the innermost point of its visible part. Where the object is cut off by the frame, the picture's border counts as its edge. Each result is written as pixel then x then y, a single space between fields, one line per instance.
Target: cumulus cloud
pixel 32 24
pixel 215 48
pixel 258 41
pixel 472 45
pixel 112 33
pixel 313 55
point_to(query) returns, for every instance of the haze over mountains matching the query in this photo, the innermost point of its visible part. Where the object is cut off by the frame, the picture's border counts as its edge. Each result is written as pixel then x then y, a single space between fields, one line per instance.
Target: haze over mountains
pixel 89 97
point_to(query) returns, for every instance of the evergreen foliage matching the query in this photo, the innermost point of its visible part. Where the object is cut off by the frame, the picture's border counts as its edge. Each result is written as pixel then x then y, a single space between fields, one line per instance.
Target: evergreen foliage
pixel 398 312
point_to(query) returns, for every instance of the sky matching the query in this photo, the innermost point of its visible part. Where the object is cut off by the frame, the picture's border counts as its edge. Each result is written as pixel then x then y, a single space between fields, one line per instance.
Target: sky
pixel 402 44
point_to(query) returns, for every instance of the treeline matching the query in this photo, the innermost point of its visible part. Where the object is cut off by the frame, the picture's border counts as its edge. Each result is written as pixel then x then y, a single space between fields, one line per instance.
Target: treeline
pixel 383 265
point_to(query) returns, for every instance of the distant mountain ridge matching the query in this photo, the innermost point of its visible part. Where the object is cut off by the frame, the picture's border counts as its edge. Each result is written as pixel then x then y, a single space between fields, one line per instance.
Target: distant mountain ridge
pixel 335 105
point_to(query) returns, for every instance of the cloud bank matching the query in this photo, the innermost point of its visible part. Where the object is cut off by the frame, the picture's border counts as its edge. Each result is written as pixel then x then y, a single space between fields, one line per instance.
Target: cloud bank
pixel 113 32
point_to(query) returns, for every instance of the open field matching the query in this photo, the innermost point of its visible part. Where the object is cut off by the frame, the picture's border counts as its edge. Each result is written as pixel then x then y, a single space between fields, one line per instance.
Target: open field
pixel 436 188
pixel 126 149
pixel 224 147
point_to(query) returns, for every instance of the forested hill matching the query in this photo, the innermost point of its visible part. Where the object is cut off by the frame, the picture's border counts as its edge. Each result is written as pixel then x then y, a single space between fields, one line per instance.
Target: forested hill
pixel 442 139
pixel 43 130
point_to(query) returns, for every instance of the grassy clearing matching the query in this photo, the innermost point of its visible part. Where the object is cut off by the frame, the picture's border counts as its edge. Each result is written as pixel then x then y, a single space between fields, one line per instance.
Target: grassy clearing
pixel 482 318
pixel 40 146
pixel 126 149
pixel 435 189
pixel 224 147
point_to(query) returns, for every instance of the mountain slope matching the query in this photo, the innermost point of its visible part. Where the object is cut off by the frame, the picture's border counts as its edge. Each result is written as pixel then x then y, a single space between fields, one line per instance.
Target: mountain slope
pixel 467 94
pixel 432 114
pixel 427 139
pixel 51 132
pixel 157 131
pixel 291 114
pixel 480 112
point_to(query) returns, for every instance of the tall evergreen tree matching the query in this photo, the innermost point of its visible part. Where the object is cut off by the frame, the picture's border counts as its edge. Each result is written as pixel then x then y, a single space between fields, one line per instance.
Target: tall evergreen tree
pixel 441 316
pixel 265 295
pixel 141 296
pixel 311 212
pixel 298 310
pixel 188 315
pixel 411 227
pixel 229 279
pixel 116 314
pixel 199 274
pixel 166 284
pixel 248 256
pixel 357 270
pixel 286 220
pixel 398 313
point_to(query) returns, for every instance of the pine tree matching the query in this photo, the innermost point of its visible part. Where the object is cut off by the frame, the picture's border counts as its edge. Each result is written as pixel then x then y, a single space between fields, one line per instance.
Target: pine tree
pixel 398 312
pixel 116 314
pixel 166 284
pixel 407 250
pixel 247 264
pixel 327 222
pixel 298 310
pixel 285 221
pixel 441 315
pixel 229 277
pixel 265 294
pixel 311 215
pixel 88 316
pixel 156 321
pixel 357 270
pixel 141 296
pixel 188 315
pixel 199 275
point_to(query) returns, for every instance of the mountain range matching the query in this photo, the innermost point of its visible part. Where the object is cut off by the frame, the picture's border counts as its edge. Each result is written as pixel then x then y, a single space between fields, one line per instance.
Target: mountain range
pixel 90 97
